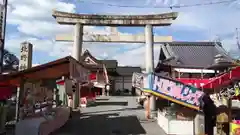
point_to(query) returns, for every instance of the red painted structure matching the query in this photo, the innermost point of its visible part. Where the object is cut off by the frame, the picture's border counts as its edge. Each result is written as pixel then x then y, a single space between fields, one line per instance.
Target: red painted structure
pixel 224 79
pixel 85 91
pixel 215 82
pixel 194 81
pixel 5 91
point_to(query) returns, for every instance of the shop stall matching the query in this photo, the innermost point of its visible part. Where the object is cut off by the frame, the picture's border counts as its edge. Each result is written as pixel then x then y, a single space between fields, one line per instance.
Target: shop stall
pixel 226 97
pixel 39 111
pixel 180 103
pixel 86 93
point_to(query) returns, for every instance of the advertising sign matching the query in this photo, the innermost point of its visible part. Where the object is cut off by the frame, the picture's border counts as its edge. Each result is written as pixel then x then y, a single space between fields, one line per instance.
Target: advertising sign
pixel 177 92
pixel 138 80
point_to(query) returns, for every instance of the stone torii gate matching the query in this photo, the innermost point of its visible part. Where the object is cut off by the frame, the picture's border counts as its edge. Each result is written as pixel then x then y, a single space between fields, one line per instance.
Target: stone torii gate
pixel 114 36
pixel 147 21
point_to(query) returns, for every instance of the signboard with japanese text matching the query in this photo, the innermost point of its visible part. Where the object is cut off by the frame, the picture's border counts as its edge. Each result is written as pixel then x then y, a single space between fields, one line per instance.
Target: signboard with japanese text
pixel 2 8
pixel 138 80
pixel 141 81
pixel 177 92
pixel 2 33
pixel 25 56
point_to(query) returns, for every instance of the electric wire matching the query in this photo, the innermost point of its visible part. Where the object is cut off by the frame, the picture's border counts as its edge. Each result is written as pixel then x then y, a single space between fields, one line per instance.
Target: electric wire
pixel 173 6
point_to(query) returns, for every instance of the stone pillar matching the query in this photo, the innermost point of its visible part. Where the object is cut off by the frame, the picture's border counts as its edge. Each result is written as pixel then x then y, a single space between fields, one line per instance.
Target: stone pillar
pixel 76 53
pixel 149 59
pixel 77 43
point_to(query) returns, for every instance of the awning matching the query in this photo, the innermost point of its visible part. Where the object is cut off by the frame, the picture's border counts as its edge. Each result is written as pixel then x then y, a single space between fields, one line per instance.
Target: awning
pixel 198 83
pixel 67 66
pixel 186 70
pixel 224 79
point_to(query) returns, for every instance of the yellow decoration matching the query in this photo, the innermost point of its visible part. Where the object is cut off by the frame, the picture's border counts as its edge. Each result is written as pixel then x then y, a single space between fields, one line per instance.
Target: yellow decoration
pixel 235 129
pixel 223 117
pixel 236 91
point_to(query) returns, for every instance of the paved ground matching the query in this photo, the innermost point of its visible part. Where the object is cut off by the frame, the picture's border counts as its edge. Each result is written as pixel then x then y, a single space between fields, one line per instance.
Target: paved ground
pixel 111 116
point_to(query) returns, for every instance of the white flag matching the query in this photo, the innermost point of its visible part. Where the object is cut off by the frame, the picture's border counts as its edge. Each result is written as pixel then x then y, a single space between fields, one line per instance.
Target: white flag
pixel 105 74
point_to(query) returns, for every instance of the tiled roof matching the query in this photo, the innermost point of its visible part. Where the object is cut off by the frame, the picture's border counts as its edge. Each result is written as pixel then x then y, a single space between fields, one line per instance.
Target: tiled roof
pixel 128 70
pixel 194 54
pixel 108 63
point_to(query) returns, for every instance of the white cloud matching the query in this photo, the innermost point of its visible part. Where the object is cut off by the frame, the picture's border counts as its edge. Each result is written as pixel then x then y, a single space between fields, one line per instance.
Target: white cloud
pixel 127 58
pixel 34 17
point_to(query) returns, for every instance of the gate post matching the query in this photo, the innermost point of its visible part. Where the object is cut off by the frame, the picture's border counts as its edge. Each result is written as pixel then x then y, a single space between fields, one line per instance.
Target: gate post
pixel 149 60
pixel 76 54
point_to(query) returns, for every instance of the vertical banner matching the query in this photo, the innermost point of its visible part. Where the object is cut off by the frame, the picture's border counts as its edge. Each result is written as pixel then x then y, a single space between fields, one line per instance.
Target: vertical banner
pixel 105 74
pixel 3 12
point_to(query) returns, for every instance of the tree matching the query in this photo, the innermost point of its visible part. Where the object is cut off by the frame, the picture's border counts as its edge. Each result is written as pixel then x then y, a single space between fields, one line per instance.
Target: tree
pixel 10 61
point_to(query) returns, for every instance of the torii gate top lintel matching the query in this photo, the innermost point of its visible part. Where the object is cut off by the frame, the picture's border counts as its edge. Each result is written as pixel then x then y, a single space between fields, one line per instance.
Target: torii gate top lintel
pixel 164 19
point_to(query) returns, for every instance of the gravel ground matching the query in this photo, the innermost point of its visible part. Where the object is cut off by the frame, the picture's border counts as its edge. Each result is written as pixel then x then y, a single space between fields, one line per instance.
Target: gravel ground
pixel 116 115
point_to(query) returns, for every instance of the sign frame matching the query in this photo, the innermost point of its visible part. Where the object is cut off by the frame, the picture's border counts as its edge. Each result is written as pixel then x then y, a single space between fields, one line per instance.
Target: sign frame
pixel 180 93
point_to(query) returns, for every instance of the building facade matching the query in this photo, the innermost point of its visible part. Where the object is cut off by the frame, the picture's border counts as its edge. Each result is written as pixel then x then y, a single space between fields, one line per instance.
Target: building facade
pixel 191 59
pixel 120 77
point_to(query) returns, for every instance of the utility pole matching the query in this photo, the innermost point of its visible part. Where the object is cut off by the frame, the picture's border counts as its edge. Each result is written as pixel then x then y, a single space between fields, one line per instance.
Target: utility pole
pixel 3 19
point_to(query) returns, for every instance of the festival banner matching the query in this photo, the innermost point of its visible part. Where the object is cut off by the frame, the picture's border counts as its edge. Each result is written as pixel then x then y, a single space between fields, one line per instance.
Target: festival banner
pixel 176 91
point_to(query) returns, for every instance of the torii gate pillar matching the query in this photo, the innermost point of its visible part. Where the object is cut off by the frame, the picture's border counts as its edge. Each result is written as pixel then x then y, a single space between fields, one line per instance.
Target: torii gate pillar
pixel 77 44
pixel 76 53
pixel 149 61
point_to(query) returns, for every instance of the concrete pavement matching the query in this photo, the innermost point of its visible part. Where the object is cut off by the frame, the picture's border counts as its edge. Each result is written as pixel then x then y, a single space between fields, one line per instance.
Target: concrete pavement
pixel 117 115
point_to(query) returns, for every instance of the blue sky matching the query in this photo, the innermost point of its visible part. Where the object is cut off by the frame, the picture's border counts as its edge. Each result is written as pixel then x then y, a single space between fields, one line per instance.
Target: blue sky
pixel 31 20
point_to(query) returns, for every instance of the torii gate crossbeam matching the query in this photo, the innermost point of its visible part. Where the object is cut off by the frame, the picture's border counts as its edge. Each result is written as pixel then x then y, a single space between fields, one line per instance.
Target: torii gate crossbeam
pixel 79 20
pixel 120 38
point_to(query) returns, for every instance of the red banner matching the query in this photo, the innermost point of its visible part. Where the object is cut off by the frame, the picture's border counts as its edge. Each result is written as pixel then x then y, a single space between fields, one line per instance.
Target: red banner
pixel 194 81
pixel 5 92
pixel 93 76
